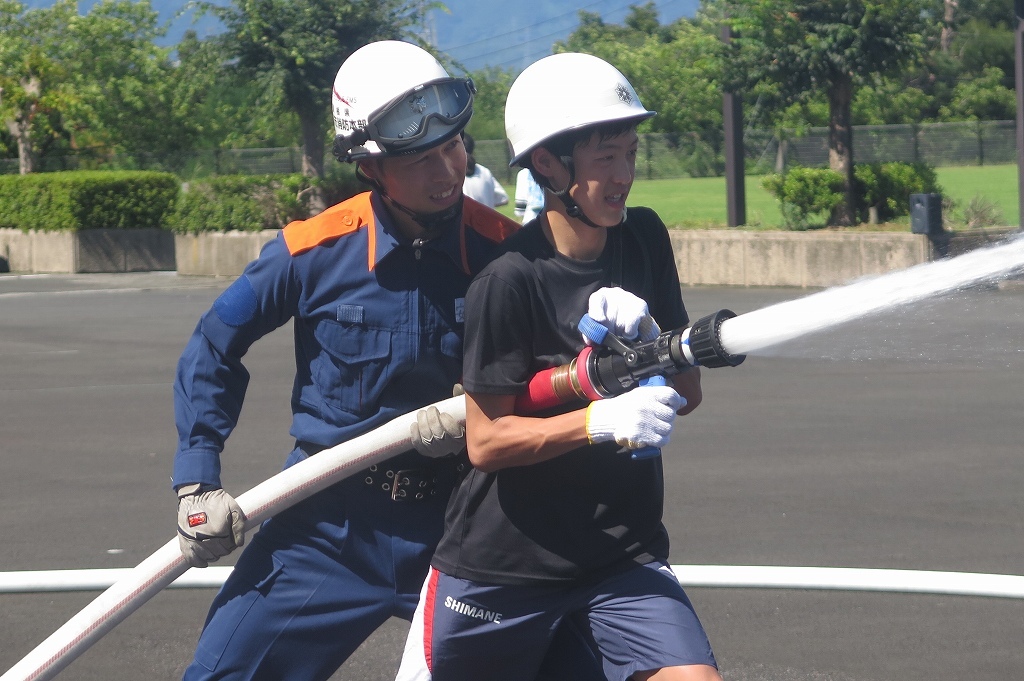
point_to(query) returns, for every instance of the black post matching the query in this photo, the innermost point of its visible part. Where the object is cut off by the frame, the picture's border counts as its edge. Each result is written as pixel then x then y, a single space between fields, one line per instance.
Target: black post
pixel 1018 41
pixel 735 191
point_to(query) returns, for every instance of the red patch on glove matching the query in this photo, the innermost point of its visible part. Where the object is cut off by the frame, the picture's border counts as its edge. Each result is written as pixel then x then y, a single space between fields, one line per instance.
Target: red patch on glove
pixel 197 519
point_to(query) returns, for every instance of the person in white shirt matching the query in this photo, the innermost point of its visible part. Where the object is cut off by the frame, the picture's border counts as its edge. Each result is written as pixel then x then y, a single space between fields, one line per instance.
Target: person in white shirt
pixel 529 196
pixel 480 183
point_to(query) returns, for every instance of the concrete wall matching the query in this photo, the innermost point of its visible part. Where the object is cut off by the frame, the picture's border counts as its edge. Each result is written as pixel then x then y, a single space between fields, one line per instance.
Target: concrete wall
pixel 703 257
pixel 94 250
pixel 219 254
pixel 820 258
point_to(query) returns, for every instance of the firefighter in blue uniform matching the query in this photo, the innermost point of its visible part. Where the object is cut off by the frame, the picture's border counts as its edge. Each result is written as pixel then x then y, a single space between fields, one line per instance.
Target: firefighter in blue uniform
pixel 374 286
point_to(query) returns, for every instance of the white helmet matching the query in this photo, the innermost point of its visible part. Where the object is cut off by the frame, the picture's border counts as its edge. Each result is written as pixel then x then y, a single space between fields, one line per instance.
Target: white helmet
pixel 393 98
pixel 566 92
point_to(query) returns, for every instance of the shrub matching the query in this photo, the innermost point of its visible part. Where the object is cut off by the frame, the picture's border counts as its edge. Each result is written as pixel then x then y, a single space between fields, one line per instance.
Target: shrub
pixel 886 187
pixel 340 183
pixel 806 196
pixel 243 202
pixel 82 200
pixel 251 202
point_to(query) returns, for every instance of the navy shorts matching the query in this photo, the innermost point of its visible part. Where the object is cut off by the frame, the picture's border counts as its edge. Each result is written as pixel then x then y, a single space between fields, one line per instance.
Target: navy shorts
pixel 635 621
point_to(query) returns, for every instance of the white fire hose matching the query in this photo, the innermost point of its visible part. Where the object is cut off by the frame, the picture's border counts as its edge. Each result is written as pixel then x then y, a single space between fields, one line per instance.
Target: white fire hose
pixel 164 566
pixel 130 588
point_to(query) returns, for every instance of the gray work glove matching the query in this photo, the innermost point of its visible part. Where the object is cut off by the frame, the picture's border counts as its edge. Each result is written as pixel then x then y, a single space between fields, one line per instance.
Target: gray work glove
pixel 210 524
pixel 435 433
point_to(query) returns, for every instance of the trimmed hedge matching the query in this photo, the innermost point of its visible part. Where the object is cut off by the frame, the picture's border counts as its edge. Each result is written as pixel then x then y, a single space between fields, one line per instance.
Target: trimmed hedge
pixel 251 203
pixel 82 200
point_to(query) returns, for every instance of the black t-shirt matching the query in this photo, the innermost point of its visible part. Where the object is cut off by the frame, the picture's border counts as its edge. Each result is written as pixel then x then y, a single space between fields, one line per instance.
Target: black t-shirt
pixel 591 511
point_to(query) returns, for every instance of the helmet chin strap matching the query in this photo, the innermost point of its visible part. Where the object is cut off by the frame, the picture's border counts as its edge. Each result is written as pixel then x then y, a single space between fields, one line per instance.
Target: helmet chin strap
pixel 433 223
pixel 572 209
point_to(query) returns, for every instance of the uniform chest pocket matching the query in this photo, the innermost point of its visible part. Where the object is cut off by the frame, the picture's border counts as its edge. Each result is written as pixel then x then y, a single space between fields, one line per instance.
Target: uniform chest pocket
pixel 351 370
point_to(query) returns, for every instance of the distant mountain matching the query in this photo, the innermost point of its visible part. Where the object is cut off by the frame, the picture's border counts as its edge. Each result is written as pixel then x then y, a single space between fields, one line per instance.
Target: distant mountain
pixel 477 33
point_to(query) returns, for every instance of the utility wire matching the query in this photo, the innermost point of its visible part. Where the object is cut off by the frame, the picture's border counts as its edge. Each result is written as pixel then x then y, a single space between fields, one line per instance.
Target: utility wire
pixel 520 31
pixel 516 31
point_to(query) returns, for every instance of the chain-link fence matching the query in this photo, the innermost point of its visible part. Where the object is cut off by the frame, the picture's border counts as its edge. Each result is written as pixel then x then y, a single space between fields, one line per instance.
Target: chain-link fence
pixel 661 155
pixel 188 165
pixel 939 144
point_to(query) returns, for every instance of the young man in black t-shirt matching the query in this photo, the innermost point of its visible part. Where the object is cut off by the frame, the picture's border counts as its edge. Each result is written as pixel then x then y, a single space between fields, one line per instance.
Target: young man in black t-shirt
pixel 556 523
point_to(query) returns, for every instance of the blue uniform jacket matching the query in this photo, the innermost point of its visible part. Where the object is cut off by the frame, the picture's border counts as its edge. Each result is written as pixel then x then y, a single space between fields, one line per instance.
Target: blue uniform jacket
pixel 378 328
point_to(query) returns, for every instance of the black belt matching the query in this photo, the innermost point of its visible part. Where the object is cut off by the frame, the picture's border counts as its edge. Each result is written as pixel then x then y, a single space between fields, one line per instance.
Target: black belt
pixel 413 484
pixel 408 484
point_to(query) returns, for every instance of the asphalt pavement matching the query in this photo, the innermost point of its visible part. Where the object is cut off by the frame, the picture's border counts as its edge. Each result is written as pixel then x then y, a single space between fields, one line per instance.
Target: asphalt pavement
pixel 893 441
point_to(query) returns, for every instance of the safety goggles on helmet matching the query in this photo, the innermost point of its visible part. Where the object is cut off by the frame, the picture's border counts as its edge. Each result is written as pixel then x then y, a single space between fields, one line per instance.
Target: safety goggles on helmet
pixel 418 119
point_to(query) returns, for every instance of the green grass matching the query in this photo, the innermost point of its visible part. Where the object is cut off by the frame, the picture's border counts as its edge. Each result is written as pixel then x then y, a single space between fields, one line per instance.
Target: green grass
pixel 997 184
pixel 699 202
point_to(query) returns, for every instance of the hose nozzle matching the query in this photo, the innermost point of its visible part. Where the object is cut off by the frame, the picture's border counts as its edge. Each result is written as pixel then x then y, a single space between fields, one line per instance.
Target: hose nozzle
pixel 705 342
pixel 617 365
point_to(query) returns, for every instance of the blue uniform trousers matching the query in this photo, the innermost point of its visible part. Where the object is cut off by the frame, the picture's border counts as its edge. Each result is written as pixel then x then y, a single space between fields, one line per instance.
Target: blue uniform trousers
pixel 317 580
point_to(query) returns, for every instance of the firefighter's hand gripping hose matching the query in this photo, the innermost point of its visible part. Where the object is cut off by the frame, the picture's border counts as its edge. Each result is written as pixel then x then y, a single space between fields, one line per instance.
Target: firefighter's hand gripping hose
pixel 436 433
pixel 210 524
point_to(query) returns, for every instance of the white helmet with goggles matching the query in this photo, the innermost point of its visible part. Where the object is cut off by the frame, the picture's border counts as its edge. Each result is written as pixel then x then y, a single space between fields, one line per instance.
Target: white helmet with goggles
pixel 393 98
pixel 565 92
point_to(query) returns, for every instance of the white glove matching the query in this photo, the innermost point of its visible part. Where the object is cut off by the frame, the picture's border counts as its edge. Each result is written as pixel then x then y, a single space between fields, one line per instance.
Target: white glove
pixel 435 433
pixel 210 524
pixel 642 417
pixel 622 313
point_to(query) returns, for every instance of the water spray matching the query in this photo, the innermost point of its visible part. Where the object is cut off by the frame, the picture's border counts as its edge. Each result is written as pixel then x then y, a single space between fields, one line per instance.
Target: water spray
pixel 754 331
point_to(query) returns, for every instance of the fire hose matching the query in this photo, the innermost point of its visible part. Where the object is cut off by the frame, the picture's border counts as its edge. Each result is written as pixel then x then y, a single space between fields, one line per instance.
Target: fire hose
pixel 598 372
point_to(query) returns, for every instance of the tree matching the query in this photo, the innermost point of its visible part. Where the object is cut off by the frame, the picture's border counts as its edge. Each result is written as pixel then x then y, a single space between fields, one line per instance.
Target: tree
pixel 224 107
pixel 674 69
pixel 123 80
pixel 804 47
pixel 92 80
pixel 889 101
pixel 492 86
pixel 982 98
pixel 301 44
pixel 33 78
pixel 956 14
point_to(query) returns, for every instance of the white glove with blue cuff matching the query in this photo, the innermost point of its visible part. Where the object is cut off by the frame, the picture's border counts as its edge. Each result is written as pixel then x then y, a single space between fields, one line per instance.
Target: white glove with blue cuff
pixel 642 417
pixel 622 313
